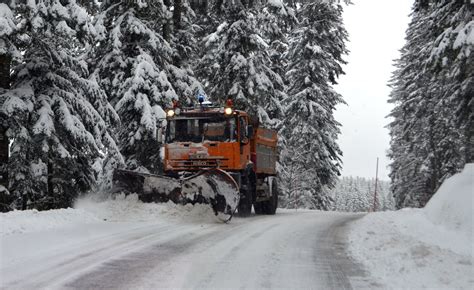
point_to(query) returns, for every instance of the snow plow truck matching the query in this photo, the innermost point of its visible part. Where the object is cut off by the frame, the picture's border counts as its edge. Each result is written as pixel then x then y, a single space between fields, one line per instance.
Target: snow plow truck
pixel 212 155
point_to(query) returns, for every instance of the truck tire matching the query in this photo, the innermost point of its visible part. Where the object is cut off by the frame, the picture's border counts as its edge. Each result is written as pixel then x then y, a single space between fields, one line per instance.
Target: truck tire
pixel 258 208
pixel 247 193
pixel 270 206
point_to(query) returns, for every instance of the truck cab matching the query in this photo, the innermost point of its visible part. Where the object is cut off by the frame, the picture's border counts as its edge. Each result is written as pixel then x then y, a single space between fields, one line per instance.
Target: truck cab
pixel 221 137
pixel 207 138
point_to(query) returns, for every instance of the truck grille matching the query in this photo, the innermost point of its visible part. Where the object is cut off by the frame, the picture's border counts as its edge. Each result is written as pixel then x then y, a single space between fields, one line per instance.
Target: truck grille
pixel 184 164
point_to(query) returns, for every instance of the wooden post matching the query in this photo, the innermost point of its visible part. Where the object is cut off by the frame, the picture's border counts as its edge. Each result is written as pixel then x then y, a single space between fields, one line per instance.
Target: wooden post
pixel 376 179
pixel 178 10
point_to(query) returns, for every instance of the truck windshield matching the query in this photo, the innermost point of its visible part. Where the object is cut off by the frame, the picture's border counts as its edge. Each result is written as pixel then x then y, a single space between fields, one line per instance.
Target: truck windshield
pixel 199 130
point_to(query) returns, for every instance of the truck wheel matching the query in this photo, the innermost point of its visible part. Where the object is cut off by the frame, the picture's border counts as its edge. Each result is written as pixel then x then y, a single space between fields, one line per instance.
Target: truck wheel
pixel 270 206
pixel 247 192
pixel 258 208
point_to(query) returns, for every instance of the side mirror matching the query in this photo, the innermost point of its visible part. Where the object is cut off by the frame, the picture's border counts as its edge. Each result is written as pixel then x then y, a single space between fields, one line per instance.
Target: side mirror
pixel 250 131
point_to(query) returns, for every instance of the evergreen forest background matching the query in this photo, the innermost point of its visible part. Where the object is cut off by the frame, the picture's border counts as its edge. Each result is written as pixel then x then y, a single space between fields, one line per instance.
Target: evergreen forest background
pixel 84 85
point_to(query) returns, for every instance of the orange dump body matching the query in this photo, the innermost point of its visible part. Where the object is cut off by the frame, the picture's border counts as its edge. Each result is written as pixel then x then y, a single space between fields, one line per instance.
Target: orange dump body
pixel 233 152
pixel 263 149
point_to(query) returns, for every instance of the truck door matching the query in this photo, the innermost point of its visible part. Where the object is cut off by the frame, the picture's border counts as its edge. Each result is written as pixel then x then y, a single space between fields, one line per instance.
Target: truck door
pixel 244 141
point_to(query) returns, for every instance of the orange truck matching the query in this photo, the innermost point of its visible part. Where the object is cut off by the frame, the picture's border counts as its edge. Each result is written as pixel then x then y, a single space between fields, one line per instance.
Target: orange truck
pixel 214 155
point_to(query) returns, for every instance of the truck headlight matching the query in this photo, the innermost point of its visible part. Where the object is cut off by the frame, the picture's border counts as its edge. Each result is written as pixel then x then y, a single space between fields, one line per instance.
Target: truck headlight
pixel 170 113
pixel 228 111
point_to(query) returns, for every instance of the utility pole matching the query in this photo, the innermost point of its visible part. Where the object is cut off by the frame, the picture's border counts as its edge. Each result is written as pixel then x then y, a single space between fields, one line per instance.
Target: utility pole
pixel 376 179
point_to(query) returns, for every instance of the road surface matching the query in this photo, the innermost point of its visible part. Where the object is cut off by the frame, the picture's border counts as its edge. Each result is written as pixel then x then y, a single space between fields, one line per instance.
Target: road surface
pixel 304 249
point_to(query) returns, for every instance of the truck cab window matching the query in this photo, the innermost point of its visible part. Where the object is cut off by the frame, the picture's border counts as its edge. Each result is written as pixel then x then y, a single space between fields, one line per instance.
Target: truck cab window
pixel 200 130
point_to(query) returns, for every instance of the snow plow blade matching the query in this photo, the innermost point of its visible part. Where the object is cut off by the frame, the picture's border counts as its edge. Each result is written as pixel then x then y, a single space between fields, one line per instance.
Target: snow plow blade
pixel 212 186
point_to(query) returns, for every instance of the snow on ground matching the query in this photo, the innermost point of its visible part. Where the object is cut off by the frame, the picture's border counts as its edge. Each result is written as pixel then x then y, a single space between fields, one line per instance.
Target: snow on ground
pixel 415 248
pixel 33 221
pixel 90 210
pixel 422 248
pixel 130 250
pixel 130 209
pixel 96 229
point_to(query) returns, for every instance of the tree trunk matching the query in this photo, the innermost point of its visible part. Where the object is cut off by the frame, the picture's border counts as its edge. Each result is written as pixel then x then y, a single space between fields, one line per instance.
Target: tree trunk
pixel 5 62
pixel 178 10
pixel 167 24
pixel 422 4
pixel 49 184
pixel 470 138
pixel 218 6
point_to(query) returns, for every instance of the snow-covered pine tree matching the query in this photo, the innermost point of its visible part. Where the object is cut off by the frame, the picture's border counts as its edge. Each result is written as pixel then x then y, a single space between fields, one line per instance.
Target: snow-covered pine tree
pixel 296 184
pixel 310 130
pixel 407 179
pixel 359 199
pixel 237 64
pixel 276 21
pixel 356 194
pixel 131 62
pixel 8 52
pixel 452 66
pixel 183 41
pixel 91 6
pixel 432 93
pixel 9 39
pixel 58 116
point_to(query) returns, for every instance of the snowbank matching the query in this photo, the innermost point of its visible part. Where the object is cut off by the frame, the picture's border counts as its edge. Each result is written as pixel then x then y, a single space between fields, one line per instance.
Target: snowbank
pixel 91 210
pixel 451 206
pixel 32 220
pixel 422 248
pixel 129 208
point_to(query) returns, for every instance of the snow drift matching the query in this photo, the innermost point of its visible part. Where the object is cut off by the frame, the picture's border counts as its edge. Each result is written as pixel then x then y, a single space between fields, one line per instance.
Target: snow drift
pixel 32 220
pixel 429 247
pixel 452 205
pixel 89 209
pixel 128 208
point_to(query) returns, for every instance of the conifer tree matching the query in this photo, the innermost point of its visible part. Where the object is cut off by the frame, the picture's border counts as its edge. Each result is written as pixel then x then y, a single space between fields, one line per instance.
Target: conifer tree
pixel 407 180
pixel 310 130
pixel 237 64
pixel 8 52
pixel 131 64
pixel 185 54
pixel 432 92
pixel 59 117
pixel 356 194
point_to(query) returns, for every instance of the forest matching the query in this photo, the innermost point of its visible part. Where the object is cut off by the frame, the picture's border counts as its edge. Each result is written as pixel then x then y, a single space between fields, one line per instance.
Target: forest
pixel 432 132
pixel 84 85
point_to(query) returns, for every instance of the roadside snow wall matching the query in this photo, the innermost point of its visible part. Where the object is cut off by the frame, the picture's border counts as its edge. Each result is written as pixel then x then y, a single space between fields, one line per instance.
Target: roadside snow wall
pixel 430 247
pixel 452 205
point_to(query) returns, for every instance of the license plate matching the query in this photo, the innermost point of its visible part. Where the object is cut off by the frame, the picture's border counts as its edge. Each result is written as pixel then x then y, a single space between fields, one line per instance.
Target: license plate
pixel 199 163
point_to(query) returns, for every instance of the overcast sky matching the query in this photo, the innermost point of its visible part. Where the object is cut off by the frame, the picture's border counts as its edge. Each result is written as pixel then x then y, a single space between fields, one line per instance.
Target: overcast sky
pixel 376 33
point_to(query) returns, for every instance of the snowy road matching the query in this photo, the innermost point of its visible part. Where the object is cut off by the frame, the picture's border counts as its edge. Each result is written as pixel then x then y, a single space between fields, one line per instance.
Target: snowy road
pixel 290 250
